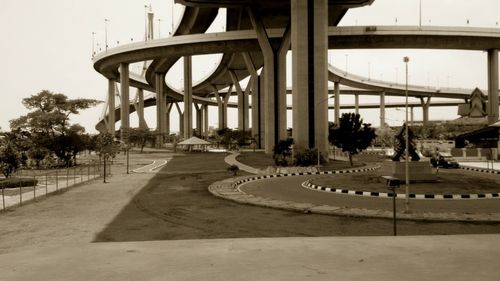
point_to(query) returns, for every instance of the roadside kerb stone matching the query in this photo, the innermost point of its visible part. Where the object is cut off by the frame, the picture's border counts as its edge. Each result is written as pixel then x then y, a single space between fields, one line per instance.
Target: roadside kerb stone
pixel 230 189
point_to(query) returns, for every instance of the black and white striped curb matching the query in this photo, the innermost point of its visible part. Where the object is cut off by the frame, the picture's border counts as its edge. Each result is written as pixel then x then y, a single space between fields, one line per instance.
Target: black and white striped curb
pixel 347 171
pixel 309 185
pixel 488 171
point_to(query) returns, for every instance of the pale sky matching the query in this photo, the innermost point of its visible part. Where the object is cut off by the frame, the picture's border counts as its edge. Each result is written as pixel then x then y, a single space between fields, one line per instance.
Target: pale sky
pixel 48 44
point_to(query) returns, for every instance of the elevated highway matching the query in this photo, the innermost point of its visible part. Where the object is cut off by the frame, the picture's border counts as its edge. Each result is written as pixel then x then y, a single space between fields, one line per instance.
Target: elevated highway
pixel 242 56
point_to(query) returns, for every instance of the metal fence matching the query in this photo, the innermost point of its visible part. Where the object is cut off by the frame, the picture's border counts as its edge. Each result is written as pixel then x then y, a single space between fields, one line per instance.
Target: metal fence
pixel 49 182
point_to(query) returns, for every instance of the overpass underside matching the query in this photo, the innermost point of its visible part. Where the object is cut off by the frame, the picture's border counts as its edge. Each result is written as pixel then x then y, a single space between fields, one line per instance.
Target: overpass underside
pixel 259 34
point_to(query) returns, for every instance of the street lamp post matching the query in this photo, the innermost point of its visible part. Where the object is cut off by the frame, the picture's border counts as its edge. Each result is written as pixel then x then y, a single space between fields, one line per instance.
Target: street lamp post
pixel 93 44
pixel 407 167
pixel 106 33
pixel 159 25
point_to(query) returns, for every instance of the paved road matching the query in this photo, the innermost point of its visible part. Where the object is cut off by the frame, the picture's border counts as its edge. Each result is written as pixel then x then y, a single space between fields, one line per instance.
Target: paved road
pixel 290 189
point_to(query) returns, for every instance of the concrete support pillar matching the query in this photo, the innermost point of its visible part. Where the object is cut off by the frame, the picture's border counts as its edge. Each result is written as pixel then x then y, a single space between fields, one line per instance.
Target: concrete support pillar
pixel 493 86
pixel 256 108
pixel 111 107
pixel 246 105
pixel 382 109
pixel 181 119
pixel 160 109
pixel 425 110
pixel 242 114
pixel 411 116
pixel 336 96
pixel 275 72
pixel 356 103
pixel 199 118
pixel 167 118
pixel 221 106
pixel 205 120
pixel 188 98
pixel 125 102
pixel 309 39
pixel 140 109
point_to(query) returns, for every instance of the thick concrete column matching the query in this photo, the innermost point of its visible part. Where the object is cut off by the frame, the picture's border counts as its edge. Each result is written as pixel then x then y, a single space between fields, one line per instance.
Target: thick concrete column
pixel 356 103
pixel 246 105
pixel 160 109
pixel 205 121
pixel 111 107
pixel 411 116
pixel 382 109
pixel 256 108
pixel 125 101
pixel 281 82
pixel 309 39
pixel 425 110
pixel 270 93
pixel 181 119
pixel 220 107
pixel 188 98
pixel 199 118
pixel 167 118
pixel 492 86
pixel 336 96
pixel 242 114
pixel 140 109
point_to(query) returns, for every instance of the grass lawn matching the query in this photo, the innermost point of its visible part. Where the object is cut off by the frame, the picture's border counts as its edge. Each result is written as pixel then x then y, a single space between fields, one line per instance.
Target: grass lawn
pixel 260 160
pixel 449 182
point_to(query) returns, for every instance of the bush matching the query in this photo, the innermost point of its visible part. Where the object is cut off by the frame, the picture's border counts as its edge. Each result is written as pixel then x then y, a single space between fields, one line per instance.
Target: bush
pixel 234 169
pixel 308 157
pixel 16 182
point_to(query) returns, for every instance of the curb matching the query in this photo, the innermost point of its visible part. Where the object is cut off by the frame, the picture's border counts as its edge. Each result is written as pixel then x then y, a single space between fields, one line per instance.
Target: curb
pixel 347 171
pixel 481 170
pixel 228 189
pixel 307 184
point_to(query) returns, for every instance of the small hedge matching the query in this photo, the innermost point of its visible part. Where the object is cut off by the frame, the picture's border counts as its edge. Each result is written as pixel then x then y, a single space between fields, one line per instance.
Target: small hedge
pixel 16 182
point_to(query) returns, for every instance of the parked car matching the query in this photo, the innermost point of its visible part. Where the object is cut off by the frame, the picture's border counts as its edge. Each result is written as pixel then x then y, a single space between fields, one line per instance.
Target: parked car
pixel 444 160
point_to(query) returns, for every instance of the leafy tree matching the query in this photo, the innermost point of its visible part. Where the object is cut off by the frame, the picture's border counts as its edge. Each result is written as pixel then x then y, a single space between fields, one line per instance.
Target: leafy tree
pixel 107 148
pixel 385 136
pixel 48 124
pixel 10 159
pixel 352 135
pixel 282 151
pixel 140 137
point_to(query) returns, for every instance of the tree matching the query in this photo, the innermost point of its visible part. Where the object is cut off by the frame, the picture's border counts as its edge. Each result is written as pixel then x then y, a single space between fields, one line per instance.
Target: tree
pixel 385 136
pixel 352 135
pixel 10 159
pixel 106 147
pixel 48 124
pixel 140 137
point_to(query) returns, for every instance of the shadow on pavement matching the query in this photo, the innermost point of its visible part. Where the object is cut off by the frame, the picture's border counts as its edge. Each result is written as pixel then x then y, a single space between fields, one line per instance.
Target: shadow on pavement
pixel 176 204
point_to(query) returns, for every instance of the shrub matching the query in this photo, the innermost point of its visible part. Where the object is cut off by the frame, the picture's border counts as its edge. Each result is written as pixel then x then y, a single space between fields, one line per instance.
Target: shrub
pixel 234 169
pixel 308 157
pixel 16 182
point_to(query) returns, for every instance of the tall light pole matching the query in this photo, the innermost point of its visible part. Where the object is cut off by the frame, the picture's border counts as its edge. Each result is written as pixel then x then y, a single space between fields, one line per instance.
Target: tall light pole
pixel 173 4
pixel 407 166
pixel 346 56
pixel 159 25
pixel 93 44
pixel 420 14
pixel 106 33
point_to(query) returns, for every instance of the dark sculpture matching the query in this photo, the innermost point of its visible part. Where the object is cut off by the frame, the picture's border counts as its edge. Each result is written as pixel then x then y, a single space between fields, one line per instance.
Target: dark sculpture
pixel 401 145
